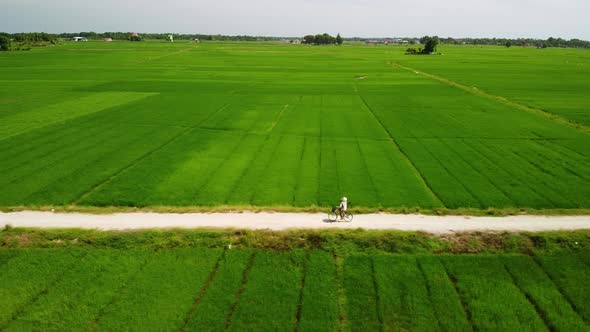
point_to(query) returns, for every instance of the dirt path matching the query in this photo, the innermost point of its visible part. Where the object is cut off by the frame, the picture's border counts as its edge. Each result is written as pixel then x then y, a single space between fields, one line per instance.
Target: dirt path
pixel 280 221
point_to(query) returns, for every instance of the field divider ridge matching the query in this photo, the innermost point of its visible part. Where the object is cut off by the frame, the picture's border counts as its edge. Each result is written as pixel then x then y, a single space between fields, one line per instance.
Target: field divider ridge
pixel 405 156
pixel 203 290
pixel 234 305
pixel 496 98
pixel 429 291
pixel 115 298
pixel 560 290
pixel 369 176
pixel 299 168
pixel 164 55
pixel 453 281
pixel 301 291
pixel 377 296
pixel 339 264
pixel 278 118
pixel 530 299
pixel 141 158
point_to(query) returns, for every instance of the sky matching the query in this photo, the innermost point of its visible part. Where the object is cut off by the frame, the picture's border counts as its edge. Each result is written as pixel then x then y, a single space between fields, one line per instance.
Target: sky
pixel 292 18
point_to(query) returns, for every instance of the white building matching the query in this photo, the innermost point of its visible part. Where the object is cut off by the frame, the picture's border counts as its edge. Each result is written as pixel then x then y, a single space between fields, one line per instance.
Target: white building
pixel 77 39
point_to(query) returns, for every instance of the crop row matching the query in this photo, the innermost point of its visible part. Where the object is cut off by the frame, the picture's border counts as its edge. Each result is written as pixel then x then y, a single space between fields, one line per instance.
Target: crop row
pixel 205 289
pixel 239 168
pixel 501 173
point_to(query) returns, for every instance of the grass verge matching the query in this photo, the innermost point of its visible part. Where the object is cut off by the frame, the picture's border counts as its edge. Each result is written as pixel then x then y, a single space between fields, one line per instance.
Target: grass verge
pixel 338 241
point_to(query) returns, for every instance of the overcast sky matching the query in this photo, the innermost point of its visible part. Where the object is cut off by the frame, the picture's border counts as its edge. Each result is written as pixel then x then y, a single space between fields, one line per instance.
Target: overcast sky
pixel 363 18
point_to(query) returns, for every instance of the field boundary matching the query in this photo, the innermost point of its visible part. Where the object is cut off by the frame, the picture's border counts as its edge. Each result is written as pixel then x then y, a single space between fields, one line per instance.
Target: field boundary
pixel 542 314
pixel 567 298
pixel 301 292
pixel 340 292
pixel 406 157
pixel 377 295
pixel 464 304
pixel 496 98
pixel 234 305
pixel 191 313
pixel 429 292
pixel 115 297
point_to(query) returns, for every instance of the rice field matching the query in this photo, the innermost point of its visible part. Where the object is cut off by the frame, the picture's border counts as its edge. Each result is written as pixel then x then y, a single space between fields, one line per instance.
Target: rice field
pixel 197 289
pixel 269 125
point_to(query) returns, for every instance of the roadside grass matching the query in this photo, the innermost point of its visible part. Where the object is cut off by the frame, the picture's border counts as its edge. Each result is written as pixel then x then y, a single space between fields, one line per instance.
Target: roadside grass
pixel 341 242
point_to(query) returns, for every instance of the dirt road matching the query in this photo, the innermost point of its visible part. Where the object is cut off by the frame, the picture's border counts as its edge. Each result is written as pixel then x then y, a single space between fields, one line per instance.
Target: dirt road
pixel 281 221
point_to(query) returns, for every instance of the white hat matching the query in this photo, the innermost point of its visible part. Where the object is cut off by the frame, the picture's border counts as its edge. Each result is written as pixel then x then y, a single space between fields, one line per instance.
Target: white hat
pixel 344 198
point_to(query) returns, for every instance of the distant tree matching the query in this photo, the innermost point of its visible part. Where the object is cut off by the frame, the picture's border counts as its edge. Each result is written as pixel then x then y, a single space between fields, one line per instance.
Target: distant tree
pixel 309 39
pixel 430 44
pixel 508 44
pixel 5 43
pixel 339 39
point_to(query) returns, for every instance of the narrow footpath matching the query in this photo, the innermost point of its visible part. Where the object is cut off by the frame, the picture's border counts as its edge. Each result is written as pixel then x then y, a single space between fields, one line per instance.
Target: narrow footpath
pixel 282 221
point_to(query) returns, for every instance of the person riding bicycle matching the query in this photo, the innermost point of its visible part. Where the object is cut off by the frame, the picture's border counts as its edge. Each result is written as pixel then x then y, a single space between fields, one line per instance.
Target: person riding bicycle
pixel 341 209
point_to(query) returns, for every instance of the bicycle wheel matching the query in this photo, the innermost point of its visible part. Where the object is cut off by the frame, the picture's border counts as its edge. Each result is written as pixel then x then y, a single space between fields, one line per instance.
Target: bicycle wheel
pixel 332 216
pixel 347 216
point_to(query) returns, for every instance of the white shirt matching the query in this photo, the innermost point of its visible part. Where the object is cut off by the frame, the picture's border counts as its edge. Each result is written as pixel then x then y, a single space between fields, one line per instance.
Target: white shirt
pixel 343 205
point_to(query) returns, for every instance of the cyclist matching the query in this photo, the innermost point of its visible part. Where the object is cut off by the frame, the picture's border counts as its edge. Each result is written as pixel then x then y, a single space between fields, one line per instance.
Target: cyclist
pixel 342 207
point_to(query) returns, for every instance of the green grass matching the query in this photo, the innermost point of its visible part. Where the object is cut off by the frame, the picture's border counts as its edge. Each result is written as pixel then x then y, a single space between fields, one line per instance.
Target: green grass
pixel 305 281
pixel 161 295
pixel 216 304
pixel 270 294
pixel 319 302
pixel 494 301
pixel 262 126
pixel 403 295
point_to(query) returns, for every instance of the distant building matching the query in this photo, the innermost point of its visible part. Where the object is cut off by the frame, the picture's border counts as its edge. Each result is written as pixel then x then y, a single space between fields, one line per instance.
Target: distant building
pixel 108 39
pixel 77 39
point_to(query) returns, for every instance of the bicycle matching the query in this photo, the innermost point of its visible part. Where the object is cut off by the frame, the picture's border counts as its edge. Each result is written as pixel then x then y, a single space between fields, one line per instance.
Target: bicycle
pixel 337 212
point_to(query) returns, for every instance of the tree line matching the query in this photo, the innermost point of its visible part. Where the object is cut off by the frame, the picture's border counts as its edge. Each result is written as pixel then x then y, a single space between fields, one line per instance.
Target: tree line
pixel 323 39
pixel 549 42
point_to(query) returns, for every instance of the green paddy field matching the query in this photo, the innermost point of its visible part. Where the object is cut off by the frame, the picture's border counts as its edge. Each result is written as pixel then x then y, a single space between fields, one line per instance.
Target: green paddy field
pixel 291 126
pixel 68 280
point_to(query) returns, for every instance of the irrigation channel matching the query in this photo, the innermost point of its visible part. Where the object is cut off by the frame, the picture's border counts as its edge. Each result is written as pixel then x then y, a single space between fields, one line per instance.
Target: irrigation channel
pixel 281 221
